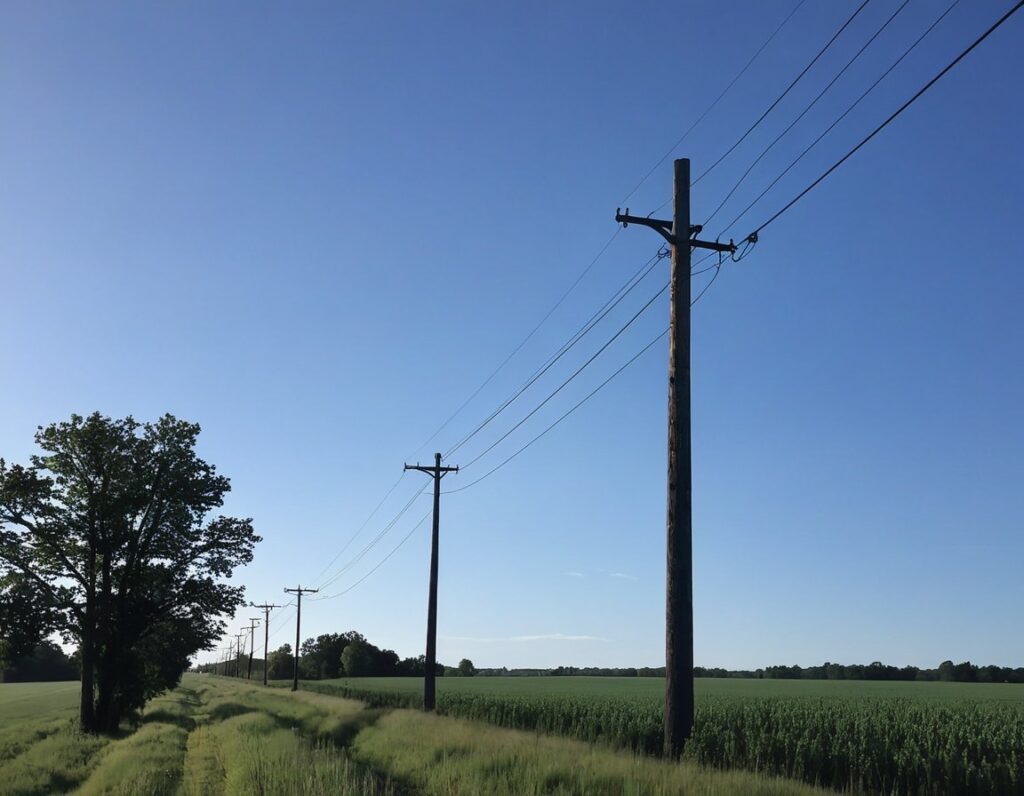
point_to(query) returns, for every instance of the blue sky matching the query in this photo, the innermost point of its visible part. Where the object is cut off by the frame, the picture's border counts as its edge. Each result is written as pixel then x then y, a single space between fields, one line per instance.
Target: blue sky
pixel 316 228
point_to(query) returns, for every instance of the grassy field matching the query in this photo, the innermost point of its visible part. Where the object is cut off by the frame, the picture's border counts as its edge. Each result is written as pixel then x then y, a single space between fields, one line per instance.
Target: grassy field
pixel 857 736
pixel 217 736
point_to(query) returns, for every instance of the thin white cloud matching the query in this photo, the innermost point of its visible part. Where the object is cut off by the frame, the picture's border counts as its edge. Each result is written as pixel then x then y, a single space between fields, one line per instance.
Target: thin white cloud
pixel 519 639
pixel 622 575
pixel 573 574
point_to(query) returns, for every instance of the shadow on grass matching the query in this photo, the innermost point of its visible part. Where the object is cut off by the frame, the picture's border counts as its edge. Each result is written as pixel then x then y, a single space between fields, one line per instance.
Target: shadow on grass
pixel 186 723
pixel 226 710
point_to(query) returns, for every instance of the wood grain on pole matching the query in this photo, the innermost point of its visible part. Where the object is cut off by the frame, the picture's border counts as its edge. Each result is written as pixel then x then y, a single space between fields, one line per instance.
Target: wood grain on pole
pixel 679 575
pixel 430 675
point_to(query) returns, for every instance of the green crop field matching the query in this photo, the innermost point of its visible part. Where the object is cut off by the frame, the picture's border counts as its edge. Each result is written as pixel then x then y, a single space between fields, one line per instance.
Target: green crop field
pixel 215 736
pixel 878 737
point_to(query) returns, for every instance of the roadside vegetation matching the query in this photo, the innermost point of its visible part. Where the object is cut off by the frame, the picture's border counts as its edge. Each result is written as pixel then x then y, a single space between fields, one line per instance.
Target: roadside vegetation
pixel 880 737
pixel 215 736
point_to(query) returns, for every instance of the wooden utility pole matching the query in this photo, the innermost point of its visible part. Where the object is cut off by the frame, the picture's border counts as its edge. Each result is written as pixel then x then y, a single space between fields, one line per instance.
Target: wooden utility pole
pixel 252 643
pixel 298 592
pixel 437 472
pixel 239 637
pixel 679 570
pixel 267 608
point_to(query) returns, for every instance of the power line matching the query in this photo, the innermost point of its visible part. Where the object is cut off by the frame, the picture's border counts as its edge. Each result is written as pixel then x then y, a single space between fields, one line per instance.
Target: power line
pixel 842 116
pixel 590 395
pixel 373 542
pixel 806 109
pixel 714 103
pixel 754 235
pixel 394 550
pixel 779 98
pixel 576 373
pixel 360 528
pixel 519 347
pixel 594 319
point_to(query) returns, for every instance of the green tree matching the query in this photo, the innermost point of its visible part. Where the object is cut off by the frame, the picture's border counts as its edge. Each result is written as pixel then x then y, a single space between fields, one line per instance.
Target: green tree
pixel 321 656
pixel 46 662
pixel 281 663
pixel 111 526
pixel 466 668
pixel 358 659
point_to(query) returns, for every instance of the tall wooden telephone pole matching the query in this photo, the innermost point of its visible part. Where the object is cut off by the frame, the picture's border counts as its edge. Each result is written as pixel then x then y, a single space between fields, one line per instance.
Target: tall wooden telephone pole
pixel 238 653
pixel 679 577
pixel 437 472
pixel 252 643
pixel 267 608
pixel 298 592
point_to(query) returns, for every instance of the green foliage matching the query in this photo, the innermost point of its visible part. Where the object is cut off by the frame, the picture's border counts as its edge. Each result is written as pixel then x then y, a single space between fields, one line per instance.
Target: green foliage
pixel 110 526
pixel 281 663
pixel 46 662
pixel 221 737
pixel 357 660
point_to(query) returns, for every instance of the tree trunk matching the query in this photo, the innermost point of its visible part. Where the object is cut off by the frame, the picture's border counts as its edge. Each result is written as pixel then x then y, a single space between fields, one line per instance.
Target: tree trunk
pixel 86 713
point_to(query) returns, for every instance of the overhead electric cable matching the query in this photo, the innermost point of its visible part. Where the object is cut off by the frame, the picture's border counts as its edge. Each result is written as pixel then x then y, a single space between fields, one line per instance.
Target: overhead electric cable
pixel 842 116
pixel 713 104
pixel 359 530
pixel 379 564
pixel 782 96
pixel 575 373
pixel 594 319
pixel 754 235
pixel 806 109
pixel 518 347
pixel 590 395
pixel 373 542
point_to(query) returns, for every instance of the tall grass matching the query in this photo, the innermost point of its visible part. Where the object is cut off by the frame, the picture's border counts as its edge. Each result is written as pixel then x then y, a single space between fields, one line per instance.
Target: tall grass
pixel 879 744
pixel 440 755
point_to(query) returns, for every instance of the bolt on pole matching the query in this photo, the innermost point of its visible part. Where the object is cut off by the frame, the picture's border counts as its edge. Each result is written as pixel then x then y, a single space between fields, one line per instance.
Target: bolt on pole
pixel 437 472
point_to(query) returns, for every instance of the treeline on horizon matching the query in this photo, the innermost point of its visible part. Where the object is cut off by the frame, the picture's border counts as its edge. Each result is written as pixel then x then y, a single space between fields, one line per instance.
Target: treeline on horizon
pixel 349 654
pixel 334 655
pixel 947 672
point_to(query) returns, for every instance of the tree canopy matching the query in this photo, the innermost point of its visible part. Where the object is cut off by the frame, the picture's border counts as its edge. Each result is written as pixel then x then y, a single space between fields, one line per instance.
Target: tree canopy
pixel 110 530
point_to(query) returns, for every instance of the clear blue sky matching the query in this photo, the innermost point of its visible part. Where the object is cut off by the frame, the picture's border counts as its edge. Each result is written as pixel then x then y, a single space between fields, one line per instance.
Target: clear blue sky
pixel 315 228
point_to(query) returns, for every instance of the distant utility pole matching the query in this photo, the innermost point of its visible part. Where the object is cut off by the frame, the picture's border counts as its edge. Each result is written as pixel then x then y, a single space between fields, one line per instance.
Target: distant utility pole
pixel 437 472
pixel 679 582
pixel 227 657
pixel 267 608
pixel 298 592
pixel 238 653
pixel 252 642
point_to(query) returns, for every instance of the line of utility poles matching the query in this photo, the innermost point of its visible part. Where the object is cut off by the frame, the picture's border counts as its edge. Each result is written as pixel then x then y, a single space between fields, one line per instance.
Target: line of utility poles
pixel 266 608
pixel 437 472
pixel 298 592
pixel 679 699
pixel 680 235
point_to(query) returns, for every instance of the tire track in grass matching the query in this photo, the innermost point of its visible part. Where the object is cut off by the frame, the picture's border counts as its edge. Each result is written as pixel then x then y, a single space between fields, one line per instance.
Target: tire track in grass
pixel 151 760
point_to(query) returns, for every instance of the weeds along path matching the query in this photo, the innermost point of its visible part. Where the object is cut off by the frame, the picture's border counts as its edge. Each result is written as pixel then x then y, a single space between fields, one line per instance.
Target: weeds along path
pixel 251 740
pixel 440 755
pixel 149 760
pixel 219 737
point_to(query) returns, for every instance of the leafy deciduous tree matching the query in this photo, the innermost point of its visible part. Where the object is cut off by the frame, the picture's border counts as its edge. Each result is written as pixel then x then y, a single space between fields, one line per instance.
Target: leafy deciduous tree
pixel 110 528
